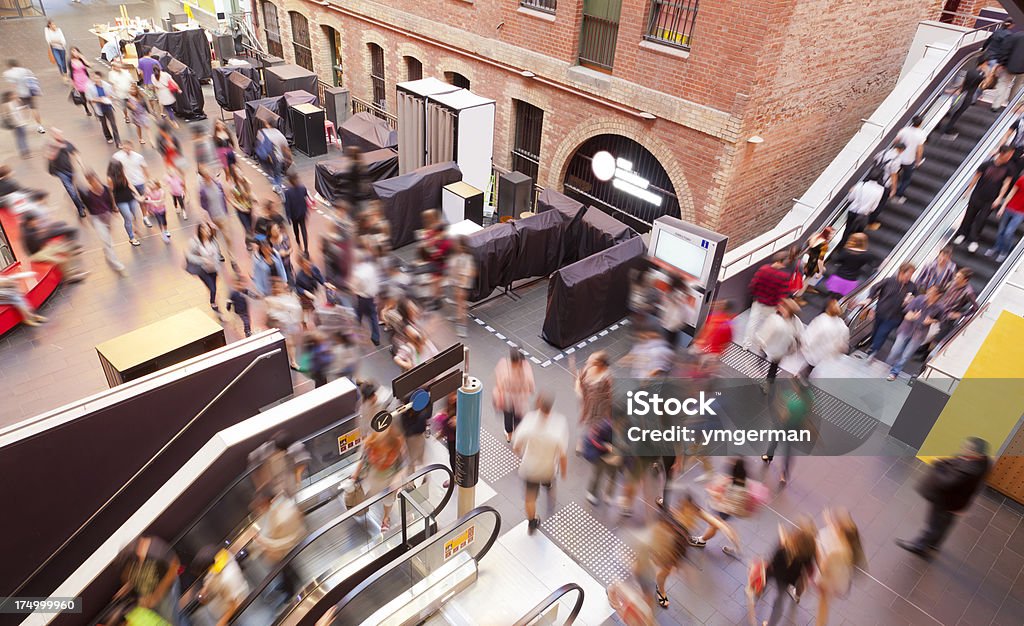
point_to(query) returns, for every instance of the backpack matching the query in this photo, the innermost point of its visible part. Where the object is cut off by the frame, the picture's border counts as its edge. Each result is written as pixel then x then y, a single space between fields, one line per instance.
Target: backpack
pixel 264 147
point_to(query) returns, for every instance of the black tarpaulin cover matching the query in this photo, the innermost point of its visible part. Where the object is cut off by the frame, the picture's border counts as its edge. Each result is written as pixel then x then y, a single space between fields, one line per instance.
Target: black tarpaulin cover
pixel 600 231
pixel 494 250
pixel 367 132
pixel 550 200
pixel 275 104
pixel 590 294
pixel 331 174
pixel 191 47
pixel 220 82
pixel 542 242
pixel 403 199
pixel 243 132
pixel 190 100
pixel 289 77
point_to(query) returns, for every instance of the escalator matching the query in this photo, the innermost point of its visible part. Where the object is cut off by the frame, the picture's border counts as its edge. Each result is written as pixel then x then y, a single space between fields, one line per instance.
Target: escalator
pixel 413 589
pixel 344 551
pixel 547 610
pixel 227 521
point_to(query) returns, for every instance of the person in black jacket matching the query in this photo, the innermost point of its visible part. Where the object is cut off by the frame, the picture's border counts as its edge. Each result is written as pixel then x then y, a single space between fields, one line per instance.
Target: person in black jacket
pixel 1012 72
pixel 892 293
pixel 949 486
pixel 965 96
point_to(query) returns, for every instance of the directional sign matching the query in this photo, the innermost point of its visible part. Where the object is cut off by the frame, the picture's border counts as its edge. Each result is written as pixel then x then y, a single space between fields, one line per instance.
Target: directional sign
pixel 381 421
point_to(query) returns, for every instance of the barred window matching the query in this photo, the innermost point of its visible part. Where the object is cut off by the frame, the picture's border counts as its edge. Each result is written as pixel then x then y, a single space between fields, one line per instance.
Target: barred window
pixel 377 76
pixel 300 40
pixel 547 6
pixel 526 143
pixel 672 22
pixel 413 68
pixel 456 79
pixel 272 30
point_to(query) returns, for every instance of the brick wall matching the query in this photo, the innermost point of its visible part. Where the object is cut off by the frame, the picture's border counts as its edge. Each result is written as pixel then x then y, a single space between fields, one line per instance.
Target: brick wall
pixel 799 73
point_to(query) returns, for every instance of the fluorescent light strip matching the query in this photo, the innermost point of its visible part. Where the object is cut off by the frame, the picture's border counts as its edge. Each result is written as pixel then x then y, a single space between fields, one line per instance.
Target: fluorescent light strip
pixel 624 164
pixel 633 190
pixel 632 178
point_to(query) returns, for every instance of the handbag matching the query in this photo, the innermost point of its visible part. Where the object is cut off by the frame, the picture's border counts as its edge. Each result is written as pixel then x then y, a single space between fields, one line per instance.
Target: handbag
pixel 354 493
pixel 76 97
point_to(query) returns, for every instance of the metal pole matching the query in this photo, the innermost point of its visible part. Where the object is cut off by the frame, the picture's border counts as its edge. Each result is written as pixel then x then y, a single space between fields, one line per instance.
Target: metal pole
pixel 467 443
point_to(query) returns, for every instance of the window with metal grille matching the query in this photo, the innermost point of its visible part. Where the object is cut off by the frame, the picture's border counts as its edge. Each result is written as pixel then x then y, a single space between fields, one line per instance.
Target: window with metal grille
pixel 547 6
pixel 526 143
pixel 300 40
pixel 334 39
pixel 272 30
pixel 454 78
pixel 413 68
pixel 377 75
pixel 672 22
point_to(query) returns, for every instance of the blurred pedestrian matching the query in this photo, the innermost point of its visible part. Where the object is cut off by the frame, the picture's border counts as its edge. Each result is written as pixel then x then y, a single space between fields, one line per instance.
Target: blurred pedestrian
pixel 988 188
pixel 594 390
pixel 267 266
pixel 768 287
pixel 281 526
pixel 166 88
pixel 223 586
pixel 715 336
pixel 919 316
pixel 365 285
pixel 676 310
pixel 121 82
pixel 315 358
pixel 238 302
pixel 382 467
pixel 892 293
pixel 790 565
pixel 938 272
pixel 949 486
pixel 780 336
pixel 282 244
pixel 414 350
pixel 308 281
pixel 243 201
pixel 839 555
pixel 215 203
pixel 732 494
pixel 176 186
pixel 790 409
pixel 138 113
pixel 513 389
pixel 26 85
pixel 605 460
pixel 61 157
pixel 136 170
pixel 15 116
pixel 296 206
pixel 225 145
pixel 11 295
pixel 825 338
pixel 79 69
pixel 97 198
pixel 817 247
pixel 285 314
pixel 279 464
pixel 848 266
pixel 203 259
pixel 155 204
pixel 126 198
pixel 149 569
pixel 542 442
pixel 461 269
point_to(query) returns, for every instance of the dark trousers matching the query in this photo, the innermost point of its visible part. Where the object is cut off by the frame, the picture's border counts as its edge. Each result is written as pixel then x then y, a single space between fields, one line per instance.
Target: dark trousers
pixel 855 223
pixel 876 215
pixel 936 528
pixel 511 420
pixel 299 226
pixel 773 371
pixel 966 101
pixel 210 280
pixel 291 581
pixel 67 179
pixel 906 173
pixel 246 220
pixel 786 456
pixel 366 307
pixel 246 323
pixel 106 117
pixel 883 328
pixel 978 210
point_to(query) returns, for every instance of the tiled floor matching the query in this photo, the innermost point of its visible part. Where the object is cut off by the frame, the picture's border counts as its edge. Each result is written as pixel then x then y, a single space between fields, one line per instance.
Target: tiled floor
pixel 976 580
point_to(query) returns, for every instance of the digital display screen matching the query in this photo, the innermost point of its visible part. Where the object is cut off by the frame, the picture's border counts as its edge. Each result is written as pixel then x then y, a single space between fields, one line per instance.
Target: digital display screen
pixel 681 254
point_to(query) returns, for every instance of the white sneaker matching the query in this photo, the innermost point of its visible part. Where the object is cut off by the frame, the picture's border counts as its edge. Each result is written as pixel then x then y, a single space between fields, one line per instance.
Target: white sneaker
pixel 145 220
pixel 167 237
pixel 991 252
pixel 958 240
pixel 592 499
pixel 1001 257
pixel 973 247
pixel 41 130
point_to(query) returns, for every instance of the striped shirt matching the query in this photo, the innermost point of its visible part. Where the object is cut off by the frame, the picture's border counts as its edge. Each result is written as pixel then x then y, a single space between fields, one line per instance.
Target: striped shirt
pixel 770 285
pixel 932 274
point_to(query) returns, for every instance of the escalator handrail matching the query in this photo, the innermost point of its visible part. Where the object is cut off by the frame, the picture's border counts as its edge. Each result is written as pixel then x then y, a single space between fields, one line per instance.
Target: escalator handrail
pixel 549 601
pixel 910 244
pixel 480 510
pixel 938 85
pixel 242 477
pixel 369 501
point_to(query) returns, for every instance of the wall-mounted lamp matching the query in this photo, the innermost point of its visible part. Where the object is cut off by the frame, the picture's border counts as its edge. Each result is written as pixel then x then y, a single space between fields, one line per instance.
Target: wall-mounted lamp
pixel 648 116
pixel 756 139
pixel 527 74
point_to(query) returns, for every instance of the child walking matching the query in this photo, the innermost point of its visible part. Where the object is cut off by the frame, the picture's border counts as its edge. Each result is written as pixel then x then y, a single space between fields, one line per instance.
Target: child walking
pixel 156 205
pixel 238 301
pixel 176 185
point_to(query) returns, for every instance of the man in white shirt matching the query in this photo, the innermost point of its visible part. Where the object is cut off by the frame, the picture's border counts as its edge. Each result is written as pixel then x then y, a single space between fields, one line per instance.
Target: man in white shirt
pixel 121 80
pixel 890 163
pixel 365 285
pixel 863 200
pixel 100 94
pixel 913 137
pixel 542 442
pixel 26 85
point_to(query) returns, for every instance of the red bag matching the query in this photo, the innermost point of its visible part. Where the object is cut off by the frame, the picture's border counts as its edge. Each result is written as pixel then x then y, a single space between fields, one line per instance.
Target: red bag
pixel 173 86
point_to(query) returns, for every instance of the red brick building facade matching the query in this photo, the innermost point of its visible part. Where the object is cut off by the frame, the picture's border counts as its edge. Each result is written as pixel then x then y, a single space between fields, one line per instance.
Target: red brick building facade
pixel 798 73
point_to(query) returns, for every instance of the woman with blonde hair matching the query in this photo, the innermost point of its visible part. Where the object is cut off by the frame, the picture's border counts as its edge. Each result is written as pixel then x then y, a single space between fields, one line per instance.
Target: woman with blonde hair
pixel 382 467
pixel 839 554
pixel 849 265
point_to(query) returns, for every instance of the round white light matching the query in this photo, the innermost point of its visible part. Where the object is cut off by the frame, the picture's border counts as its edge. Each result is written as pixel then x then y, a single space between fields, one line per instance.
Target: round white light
pixel 603 164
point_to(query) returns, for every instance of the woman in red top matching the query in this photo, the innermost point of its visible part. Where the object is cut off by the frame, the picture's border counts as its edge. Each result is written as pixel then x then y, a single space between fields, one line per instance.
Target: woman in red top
pixel 716 334
pixel 1010 216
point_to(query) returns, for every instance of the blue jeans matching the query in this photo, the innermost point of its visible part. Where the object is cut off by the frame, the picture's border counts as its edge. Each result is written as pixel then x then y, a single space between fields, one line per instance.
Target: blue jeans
pixel 169 609
pixel 367 307
pixel 1006 236
pixel 883 328
pixel 59 55
pixel 906 172
pixel 67 179
pixel 904 348
pixel 127 210
pixel 21 138
pixel 276 170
